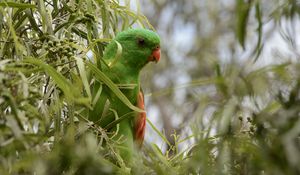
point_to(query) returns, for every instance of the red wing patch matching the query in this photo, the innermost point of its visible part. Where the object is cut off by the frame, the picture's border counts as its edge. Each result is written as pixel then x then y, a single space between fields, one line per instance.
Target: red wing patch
pixel 140 123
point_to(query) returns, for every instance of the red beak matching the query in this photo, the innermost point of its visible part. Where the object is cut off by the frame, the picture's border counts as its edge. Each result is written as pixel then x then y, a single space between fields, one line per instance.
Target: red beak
pixel 155 55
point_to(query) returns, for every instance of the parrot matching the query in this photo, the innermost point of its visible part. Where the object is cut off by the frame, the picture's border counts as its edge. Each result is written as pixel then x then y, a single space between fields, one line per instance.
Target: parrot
pixel 124 58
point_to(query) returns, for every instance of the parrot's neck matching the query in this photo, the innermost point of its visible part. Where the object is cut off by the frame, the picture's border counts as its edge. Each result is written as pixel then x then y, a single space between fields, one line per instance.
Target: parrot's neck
pixel 124 68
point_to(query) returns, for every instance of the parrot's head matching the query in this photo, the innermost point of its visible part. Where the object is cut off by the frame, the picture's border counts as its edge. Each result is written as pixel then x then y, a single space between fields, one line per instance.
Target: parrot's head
pixel 139 46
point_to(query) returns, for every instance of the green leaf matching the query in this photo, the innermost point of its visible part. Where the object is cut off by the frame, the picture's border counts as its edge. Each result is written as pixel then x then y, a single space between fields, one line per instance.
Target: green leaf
pixel 46 18
pixel 242 9
pixel 32 21
pixel 118 120
pixel 59 79
pixel 258 15
pixel 72 93
pixel 117 56
pixel 14 107
pixel 159 133
pixel 16 5
pixel 162 158
pixel 83 76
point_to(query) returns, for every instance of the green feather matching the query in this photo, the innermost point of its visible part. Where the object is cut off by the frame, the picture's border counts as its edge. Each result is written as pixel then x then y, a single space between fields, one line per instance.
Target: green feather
pixel 124 58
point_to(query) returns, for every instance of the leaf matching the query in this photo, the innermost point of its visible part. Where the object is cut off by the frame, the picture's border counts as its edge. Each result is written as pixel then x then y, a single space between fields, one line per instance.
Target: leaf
pixel 242 11
pixel 83 76
pixel 115 122
pixel 159 133
pixel 16 5
pixel 97 96
pixel 46 18
pixel 79 32
pixel 258 15
pixel 32 21
pixel 59 79
pixel 14 107
pixel 117 56
pixel 100 76
pixel 162 158
pixel 72 93
pixel 18 46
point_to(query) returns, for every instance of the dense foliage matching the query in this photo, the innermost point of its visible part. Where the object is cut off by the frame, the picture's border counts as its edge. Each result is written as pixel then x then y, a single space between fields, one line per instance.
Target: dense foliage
pixel 247 123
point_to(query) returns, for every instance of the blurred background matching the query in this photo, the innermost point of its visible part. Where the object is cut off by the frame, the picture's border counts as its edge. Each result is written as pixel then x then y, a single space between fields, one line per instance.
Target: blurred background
pixel 223 99
pixel 200 38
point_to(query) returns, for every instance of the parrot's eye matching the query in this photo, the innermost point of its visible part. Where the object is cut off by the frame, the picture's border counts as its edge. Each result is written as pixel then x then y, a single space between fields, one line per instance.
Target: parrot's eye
pixel 141 41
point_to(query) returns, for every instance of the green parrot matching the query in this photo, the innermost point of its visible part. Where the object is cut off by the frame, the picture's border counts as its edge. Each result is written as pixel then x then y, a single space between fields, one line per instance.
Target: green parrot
pixel 124 58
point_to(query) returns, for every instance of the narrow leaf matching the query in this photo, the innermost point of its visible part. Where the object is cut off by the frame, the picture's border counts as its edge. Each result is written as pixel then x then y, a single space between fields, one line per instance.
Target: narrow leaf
pixel 83 76
pixel 58 78
pixel 159 133
pixel 258 15
pixel 117 56
pixel 115 122
pixel 16 5
pixel 242 11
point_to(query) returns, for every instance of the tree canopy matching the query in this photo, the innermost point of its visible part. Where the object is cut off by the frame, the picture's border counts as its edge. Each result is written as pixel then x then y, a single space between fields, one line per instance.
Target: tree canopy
pixel 223 99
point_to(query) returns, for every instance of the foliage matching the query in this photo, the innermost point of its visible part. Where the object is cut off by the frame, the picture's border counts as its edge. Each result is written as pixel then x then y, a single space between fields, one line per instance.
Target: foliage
pixel 247 124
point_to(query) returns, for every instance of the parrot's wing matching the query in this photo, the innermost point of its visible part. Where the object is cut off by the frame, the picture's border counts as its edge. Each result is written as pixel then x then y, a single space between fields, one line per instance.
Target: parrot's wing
pixel 140 121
